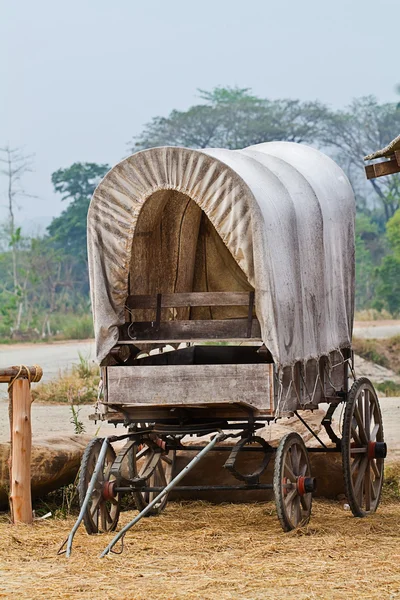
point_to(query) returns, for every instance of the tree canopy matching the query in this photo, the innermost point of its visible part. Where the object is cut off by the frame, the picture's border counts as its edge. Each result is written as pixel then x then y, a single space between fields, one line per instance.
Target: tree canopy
pixel 44 280
pixel 234 118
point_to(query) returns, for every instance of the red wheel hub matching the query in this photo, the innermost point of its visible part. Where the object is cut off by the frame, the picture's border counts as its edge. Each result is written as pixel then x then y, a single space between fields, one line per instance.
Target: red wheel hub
pixel 376 450
pixel 301 486
pixel 306 485
pixel 108 492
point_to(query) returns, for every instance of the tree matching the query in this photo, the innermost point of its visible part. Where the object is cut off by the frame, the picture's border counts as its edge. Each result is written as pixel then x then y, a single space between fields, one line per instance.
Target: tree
pixel 369 252
pixel 68 231
pixel 234 118
pixel 15 164
pixel 361 129
pixel 388 292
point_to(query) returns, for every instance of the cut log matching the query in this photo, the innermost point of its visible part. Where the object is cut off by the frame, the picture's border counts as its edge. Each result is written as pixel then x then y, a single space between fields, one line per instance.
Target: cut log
pixel 55 462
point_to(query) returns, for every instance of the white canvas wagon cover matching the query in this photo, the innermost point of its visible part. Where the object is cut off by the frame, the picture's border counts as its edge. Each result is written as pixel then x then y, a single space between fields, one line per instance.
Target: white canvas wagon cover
pixel 284 211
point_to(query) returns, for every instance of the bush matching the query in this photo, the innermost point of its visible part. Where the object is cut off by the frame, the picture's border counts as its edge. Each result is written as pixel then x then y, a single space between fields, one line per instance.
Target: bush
pixel 72 327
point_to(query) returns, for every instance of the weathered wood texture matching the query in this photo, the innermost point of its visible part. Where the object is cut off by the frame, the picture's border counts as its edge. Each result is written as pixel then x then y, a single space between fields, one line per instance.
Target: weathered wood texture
pixel 191 385
pixel 21 445
pixel 183 299
pixel 386 167
pixel 33 373
pixel 202 330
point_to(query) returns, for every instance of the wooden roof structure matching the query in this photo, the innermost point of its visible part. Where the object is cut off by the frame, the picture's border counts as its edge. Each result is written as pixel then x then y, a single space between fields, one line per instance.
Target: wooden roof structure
pixel 390 164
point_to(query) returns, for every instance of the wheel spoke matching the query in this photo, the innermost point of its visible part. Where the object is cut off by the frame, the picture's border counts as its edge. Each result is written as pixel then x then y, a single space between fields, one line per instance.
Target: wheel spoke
pixel 288 470
pixel 355 435
pixel 356 464
pixel 103 519
pixel 305 501
pixel 295 458
pixel 374 432
pixel 360 423
pixel 367 488
pixel 290 497
pixel 375 469
pixel 367 414
pixel 297 511
pixel 358 486
pixel 303 469
pixel 95 504
pixel 108 514
pixel 161 474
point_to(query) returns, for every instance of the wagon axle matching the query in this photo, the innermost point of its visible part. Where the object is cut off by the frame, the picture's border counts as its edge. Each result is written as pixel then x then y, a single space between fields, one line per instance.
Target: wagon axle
pixel 376 450
pixel 306 485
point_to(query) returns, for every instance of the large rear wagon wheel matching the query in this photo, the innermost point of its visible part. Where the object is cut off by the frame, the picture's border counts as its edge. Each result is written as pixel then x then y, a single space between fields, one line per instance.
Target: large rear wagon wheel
pixel 139 458
pixel 102 513
pixel 363 448
pixel 293 484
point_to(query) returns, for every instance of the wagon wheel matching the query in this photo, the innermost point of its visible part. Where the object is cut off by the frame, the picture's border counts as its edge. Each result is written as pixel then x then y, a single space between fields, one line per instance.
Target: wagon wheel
pixel 162 472
pixel 293 484
pixel 363 448
pixel 103 510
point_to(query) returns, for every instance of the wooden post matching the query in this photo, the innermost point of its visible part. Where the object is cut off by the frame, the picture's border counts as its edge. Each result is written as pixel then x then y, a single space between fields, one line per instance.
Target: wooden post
pixel 19 379
pixel 21 446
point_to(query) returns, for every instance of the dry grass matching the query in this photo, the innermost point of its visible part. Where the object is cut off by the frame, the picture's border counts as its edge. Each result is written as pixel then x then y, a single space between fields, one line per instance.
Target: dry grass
pixel 195 551
pixel 76 386
pixel 371 314
pixel 385 352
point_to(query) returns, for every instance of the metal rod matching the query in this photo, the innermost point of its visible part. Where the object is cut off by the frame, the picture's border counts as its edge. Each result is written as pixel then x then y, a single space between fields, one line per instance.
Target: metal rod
pixel 306 425
pixel 223 448
pixel 165 491
pixel 324 450
pixel 198 488
pixel 90 489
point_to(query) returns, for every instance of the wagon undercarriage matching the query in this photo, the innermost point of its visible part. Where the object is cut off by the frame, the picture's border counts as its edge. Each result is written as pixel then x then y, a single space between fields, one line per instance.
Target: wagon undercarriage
pixel 145 465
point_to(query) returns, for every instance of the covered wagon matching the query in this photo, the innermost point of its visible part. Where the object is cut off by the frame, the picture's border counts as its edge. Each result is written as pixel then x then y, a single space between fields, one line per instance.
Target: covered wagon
pixel 222 287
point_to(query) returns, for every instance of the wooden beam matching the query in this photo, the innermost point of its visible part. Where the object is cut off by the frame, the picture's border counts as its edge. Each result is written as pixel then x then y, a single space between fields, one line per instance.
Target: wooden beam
pixel 21 447
pixel 387 167
pixel 33 373
pixel 226 329
pixel 185 299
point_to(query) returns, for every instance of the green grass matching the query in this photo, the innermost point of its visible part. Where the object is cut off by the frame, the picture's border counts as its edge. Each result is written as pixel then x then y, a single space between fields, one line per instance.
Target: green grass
pixel 64 326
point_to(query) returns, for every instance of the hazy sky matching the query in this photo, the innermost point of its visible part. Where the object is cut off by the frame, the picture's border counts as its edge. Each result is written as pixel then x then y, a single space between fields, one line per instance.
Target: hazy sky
pixel 79 79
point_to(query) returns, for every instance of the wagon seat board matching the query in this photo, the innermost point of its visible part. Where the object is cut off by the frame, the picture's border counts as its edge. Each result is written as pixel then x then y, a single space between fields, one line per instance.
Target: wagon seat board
pixel 275 218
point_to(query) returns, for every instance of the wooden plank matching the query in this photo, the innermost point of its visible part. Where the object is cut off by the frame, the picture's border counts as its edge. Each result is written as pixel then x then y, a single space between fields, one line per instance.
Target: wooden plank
pixel 397 156
pixel 387 167
pixel 137 414
pixel 183 299
pixel 190 385
pixel 226 329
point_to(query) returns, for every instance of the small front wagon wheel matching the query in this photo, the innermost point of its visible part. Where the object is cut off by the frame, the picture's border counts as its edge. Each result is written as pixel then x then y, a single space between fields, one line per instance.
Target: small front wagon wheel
pixel 363 448
pixel 293 484
pixel 103 510
pixel 139 459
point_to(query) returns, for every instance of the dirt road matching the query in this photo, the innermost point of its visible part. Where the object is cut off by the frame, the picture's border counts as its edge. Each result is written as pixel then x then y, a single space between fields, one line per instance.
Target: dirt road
pixel 376 329
pixel 53 358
